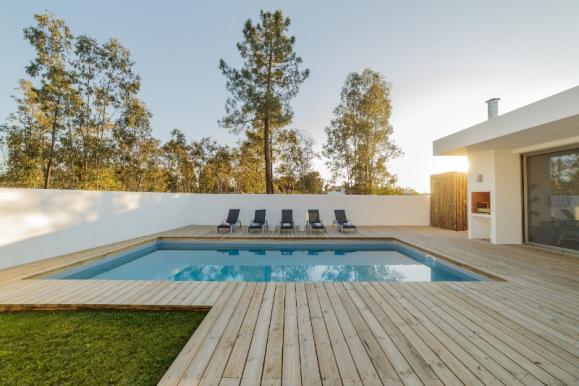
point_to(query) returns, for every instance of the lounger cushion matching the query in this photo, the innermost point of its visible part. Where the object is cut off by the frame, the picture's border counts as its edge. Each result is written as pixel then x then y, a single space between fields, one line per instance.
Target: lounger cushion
pixel 224 225
pixel 317 225
pixel 348 225
pixel 255 225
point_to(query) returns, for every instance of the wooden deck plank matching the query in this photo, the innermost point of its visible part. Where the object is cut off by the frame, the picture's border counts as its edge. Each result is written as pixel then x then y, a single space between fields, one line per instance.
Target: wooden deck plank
pixel 180 287
pixel 236 363
pixel 362 360
pixel 123 296
pixel 557 326
pixel 272 366
pixel 192 296
pixel 214 371
pixel 453 333
pixel 531 361
pixel 418 321
pixel 110 295
pixel 82 290
pixel 22 289
pixel 486 342
pixel 308 357
pixel 398 361
pixel 382 363
pixel 212 295
pixel 346 366
pixel 252 374
pixel 217 316
pixel 12 289
pixel 326 357
pixel 403 336
pixel 548 357
pixel 178 367
pixel 291 373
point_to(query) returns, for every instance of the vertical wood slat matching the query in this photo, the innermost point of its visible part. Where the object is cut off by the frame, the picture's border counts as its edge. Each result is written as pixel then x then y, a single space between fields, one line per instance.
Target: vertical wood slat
pixel 448 201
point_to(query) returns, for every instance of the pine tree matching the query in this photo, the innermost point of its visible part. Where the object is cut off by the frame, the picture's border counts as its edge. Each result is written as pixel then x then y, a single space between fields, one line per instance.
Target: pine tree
pixel 262 89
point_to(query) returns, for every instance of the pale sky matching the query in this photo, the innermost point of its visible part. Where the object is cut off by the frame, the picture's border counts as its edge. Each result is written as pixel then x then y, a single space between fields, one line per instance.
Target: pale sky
pixel 444 59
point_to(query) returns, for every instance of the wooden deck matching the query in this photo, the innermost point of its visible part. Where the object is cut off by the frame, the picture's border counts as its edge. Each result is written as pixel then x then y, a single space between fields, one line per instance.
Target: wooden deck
pixel 520 331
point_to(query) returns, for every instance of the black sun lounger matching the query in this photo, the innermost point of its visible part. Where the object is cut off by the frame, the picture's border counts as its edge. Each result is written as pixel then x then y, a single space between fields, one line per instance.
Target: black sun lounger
pixel 287 220
pixel 314 222
pixel 259 222
pixel 342 221
pixel 231 223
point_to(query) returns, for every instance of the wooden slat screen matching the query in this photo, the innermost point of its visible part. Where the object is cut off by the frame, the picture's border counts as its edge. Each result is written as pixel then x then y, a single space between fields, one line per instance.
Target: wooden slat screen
pixel 448 203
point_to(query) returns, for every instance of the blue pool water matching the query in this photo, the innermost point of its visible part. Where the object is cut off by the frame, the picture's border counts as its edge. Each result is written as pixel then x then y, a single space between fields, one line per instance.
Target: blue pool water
pixel 271 262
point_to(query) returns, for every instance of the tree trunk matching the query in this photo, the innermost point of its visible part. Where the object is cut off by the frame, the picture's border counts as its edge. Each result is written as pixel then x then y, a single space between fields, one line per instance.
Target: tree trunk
pixel 271 159
pixel 48 170
pixel 267 156
pixel 266 133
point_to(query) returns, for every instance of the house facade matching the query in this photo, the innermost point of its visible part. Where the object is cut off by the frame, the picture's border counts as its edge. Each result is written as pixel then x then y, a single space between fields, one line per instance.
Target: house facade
pixel 523 178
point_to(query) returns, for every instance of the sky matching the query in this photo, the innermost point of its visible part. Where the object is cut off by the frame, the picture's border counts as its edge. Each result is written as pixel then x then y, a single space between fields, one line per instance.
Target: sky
pixel 443 59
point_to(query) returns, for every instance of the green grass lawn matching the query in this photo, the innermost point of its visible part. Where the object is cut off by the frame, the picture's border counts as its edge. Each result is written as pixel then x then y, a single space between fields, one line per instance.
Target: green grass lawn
pixel 91 347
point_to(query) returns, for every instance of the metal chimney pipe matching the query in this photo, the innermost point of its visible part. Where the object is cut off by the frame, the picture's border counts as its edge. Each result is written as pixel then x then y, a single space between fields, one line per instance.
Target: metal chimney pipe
pixel 493 107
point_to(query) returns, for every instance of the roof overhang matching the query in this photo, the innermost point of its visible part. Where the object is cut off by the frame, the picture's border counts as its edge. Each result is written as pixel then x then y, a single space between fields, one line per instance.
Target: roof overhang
pixel 549 122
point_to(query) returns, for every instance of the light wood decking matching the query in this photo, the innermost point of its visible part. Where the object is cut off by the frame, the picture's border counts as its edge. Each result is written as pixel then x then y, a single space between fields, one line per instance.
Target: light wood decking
pixel 523 330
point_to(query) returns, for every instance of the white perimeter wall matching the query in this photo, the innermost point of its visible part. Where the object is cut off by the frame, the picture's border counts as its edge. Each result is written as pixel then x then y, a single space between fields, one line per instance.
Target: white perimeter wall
pixel 37 224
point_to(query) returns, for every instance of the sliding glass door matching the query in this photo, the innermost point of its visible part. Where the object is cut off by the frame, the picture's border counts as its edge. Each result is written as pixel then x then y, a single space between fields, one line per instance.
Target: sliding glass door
pixel 552 189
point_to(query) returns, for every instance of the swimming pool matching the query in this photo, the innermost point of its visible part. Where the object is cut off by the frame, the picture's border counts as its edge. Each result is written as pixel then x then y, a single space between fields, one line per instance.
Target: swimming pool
pixel 271 262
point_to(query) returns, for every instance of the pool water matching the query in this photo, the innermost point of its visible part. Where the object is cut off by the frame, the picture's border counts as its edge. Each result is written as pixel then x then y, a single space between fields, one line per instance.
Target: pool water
pixel 272 262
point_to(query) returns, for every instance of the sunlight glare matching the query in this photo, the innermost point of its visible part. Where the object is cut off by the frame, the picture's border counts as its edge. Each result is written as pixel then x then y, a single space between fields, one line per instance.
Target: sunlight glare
pixel 444 164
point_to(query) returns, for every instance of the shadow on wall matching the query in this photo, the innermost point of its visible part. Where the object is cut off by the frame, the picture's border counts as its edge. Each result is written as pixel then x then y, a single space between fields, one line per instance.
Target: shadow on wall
pixel 38 224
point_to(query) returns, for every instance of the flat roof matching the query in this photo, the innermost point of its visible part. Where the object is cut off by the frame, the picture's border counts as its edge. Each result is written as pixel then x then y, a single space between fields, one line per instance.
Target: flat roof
pixel 550 121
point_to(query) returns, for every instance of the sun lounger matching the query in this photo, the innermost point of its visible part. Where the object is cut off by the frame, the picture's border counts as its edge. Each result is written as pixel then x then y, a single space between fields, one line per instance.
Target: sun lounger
pixel 231 222
pixel 287 220
pixel 259 222
pixel 314 222
pixel 342 221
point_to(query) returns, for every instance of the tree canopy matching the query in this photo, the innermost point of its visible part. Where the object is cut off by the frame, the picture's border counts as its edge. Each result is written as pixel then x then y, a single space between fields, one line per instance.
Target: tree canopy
pixel 80 123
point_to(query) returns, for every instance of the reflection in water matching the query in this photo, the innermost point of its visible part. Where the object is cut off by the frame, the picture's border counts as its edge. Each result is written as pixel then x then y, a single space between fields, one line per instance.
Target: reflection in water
pixel 278 273
pixel 230 252
pixel 361 272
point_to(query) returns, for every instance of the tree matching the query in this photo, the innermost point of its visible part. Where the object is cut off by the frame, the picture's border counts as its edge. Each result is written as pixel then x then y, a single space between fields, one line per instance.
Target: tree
pixel 107 86
pixel 247 171
pixel 312 183
pixel 294 173
pixel 136 154
pixel 262 89
pixel 215 171
pixel 180 164
pixel 78 121
pixel 359 144
pixel 52 41
pixel 24 142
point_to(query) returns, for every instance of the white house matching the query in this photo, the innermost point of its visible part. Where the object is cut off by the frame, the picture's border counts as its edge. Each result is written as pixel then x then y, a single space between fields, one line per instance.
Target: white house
pixel 523 178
